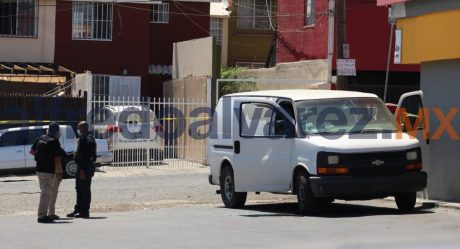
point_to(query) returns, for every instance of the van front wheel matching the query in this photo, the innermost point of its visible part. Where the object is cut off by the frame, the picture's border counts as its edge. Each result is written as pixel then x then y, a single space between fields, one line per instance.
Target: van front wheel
pixel 230 198
pixel 307 203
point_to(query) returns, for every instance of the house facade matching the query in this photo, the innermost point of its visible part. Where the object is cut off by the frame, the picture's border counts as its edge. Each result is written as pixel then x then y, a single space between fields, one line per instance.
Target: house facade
pixel 27 30
pixel 303 35
pixel 251 32
pixel 122 38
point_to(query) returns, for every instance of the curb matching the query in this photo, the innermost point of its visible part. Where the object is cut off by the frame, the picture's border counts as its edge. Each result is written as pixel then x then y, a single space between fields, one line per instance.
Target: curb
pixel 433 203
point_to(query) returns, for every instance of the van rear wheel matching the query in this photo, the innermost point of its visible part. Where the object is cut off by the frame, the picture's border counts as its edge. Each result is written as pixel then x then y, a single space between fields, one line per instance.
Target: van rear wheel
pixel 406 201
pixel 307 203
pixel 230 198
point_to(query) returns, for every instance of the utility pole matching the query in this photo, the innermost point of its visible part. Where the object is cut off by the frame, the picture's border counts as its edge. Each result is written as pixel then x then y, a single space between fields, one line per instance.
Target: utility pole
pixel 330 44
pixel 342 81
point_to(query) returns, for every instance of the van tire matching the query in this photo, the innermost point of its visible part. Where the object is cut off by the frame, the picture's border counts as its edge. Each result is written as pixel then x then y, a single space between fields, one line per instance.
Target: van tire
pixel 307 203
pixel 406 201
pixel 230 198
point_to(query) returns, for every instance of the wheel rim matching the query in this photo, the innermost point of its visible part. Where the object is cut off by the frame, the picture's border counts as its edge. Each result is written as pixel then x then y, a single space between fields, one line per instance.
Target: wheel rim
pixel 228 187
pixel 71 168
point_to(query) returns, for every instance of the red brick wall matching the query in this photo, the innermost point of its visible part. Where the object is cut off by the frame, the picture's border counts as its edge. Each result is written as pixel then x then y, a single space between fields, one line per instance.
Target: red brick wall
pixel 129 47
pixel 368 34
pixel 297 42
pixel 180 28
pixel 136 42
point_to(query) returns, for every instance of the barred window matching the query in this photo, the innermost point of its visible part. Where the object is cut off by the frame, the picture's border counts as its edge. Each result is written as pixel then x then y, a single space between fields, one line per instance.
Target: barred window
pixel 92 21
pixel 215 29
pixel 19 18
pixel 310 12
pixel 160 13
pixel 254 14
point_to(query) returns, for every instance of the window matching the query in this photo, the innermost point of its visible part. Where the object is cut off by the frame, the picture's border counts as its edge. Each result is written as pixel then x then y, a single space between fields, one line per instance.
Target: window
pixel 19 18
pixel 413 107
pixel 92 21
pixel 216 29
pixel 160 13
pixel 310 12
pixel 11 138
pixel 255 119
pixel 262 120
pixel 254 14
pixel 30 136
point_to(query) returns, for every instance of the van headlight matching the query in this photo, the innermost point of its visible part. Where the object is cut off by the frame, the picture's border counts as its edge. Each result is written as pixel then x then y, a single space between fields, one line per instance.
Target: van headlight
pixel 329 163
pixel 412 155
pixel 333 159
pixel 329 159
pixel 414 159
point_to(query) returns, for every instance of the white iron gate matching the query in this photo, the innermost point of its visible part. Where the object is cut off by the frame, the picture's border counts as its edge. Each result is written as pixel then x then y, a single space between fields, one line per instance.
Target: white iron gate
pixel 143 132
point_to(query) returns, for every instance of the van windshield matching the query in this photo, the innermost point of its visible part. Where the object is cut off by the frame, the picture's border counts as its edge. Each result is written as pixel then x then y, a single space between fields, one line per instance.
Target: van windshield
pixel 344 116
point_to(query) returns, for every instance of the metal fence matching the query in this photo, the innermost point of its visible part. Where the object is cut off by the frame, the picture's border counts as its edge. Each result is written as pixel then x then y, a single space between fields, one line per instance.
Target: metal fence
pixel 144 132
pixel 28 110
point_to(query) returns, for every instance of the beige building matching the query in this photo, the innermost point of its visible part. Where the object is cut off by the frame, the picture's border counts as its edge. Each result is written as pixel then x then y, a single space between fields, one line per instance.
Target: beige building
pixel 27 34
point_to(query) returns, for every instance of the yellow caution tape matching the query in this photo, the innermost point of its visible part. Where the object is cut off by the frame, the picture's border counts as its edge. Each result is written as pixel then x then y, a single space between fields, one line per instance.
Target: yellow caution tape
pixel 34 121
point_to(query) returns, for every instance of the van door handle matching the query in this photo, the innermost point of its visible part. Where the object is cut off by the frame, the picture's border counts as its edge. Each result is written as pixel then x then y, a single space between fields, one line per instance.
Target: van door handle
pixel 236 147
pixel 19 151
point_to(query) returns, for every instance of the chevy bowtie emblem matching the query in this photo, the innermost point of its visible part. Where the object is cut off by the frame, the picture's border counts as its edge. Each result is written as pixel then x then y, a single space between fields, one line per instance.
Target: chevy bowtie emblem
pixel 378 162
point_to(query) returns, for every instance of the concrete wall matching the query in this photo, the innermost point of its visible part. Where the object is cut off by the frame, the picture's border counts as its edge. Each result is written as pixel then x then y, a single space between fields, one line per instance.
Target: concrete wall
pixel 314 70
pixel 39 49
pixel 440 82
pixel 186 88
pixel 193 58
pixel 193 90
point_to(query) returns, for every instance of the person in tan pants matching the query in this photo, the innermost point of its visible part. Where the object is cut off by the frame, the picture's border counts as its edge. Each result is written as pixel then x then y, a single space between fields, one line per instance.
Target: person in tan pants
pixel 48 152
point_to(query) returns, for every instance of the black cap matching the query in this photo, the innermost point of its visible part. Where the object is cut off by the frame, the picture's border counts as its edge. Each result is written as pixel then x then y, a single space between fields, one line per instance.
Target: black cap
pixel 53 128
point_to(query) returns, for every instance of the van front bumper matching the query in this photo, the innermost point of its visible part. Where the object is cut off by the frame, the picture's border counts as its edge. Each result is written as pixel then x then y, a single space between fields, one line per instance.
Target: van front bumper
pixel 349 187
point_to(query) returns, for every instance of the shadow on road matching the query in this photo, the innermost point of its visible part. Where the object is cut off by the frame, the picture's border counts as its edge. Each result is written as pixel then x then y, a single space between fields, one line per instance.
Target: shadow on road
pixel 19 180
pixel 96 218
pixel 334 210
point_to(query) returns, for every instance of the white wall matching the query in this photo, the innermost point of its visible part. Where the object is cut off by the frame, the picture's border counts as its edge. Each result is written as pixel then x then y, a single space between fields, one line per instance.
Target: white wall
pixel 40 49
pixel 440 83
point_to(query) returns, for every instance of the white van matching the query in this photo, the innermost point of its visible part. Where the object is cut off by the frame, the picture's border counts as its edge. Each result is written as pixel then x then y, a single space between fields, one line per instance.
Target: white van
pixel 318 144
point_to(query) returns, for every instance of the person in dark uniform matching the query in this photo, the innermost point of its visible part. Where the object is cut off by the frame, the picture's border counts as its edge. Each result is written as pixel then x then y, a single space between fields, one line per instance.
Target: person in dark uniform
pixel 85 156
pixel 48 152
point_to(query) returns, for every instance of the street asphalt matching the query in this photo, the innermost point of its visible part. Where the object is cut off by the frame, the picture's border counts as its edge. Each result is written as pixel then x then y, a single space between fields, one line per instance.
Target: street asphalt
pixel 177 209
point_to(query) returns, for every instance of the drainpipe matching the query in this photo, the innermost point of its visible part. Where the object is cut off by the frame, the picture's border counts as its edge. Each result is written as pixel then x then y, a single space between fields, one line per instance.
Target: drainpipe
pixel 330 45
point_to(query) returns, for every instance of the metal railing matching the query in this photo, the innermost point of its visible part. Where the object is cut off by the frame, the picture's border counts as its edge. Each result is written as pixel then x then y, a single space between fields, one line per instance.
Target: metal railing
pixel 144 132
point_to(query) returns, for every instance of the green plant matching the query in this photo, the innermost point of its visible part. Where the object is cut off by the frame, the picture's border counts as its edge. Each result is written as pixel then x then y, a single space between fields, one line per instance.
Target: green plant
pixel 234 86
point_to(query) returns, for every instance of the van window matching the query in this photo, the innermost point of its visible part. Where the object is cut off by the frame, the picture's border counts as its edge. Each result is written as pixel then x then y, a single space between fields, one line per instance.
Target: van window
pixel 262 120
pixel 11 138
pixel 413 106
pixel 255 119
pixel 69 133
pixel 30 136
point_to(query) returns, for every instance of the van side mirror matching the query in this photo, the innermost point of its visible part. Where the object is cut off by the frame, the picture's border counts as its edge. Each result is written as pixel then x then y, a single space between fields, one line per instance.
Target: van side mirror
pixel 284 128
